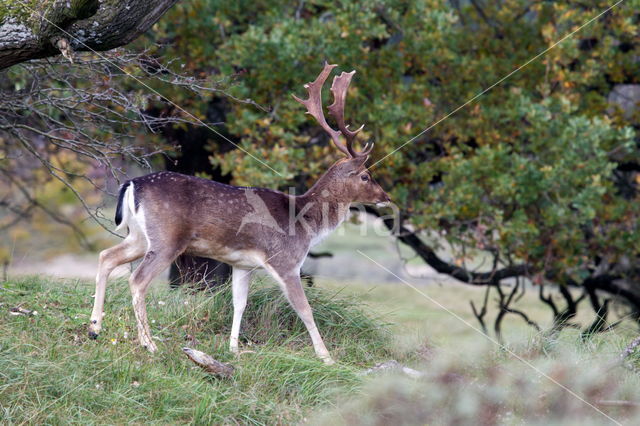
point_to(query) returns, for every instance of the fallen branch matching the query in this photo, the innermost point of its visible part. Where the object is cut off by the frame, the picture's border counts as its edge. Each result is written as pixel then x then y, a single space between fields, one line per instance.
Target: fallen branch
pixel 17 310
pixel 208 364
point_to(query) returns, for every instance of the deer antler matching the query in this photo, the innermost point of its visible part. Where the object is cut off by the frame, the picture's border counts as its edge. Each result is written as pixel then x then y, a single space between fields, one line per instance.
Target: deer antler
pixel 336 109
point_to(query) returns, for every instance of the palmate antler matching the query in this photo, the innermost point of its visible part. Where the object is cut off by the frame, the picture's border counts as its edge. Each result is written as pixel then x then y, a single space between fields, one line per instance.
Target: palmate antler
pixel 336 109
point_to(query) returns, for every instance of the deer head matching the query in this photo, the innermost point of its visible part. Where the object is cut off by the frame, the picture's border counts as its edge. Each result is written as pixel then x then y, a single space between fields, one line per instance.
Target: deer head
pixel 348 179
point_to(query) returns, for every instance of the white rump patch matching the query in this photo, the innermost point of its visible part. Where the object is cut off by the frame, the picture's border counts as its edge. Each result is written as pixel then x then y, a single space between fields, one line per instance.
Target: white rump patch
pixel 128 206
pixel 134 220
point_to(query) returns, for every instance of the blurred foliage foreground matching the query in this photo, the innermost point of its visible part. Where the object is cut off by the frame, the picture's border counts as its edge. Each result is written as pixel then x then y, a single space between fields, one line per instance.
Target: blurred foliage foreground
pixel 539 175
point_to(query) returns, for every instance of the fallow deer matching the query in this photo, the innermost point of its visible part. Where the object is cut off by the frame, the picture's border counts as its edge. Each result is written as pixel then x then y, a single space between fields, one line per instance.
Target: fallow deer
pixel 168 214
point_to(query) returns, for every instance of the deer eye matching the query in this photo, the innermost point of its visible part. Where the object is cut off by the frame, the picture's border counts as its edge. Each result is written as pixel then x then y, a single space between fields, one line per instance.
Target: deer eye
pixel 365 178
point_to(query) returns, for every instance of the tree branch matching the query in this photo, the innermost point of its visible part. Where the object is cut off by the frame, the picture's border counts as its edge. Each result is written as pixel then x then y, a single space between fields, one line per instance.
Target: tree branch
pixel 479 314
pixel 30 33
pixel 427 253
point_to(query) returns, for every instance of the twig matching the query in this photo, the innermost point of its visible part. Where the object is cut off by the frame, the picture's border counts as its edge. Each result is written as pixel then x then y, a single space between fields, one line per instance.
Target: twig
pixel 480 314
pixel 209 364
pixel 393 365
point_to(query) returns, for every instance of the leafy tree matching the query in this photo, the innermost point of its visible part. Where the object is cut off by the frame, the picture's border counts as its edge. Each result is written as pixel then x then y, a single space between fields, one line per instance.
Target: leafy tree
pixel 84 119
pixel 539 173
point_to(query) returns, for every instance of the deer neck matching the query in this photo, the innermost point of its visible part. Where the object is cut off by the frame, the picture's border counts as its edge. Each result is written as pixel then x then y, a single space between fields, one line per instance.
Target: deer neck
pixel 323 209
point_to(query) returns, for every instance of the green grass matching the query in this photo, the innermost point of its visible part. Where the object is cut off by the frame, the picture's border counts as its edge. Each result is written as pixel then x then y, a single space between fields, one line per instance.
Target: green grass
pixel 52 373
pixel 567 385
pixel 471 380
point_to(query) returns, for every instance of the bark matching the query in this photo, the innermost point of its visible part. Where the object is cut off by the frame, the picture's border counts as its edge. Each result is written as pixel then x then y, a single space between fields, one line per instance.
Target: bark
pixel 33 30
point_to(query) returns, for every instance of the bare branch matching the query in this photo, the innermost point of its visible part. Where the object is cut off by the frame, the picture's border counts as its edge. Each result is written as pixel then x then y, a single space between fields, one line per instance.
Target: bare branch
pixel 479 314
pixel 83 123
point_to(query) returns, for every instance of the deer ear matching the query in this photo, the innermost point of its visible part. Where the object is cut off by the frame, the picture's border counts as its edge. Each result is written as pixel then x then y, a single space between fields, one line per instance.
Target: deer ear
pixel 360 160
pixel 356 165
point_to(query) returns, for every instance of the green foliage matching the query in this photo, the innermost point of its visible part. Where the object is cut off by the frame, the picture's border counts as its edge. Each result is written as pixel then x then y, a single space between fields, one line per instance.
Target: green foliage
pixel 52 373
pixel 526 170
pixel 539 191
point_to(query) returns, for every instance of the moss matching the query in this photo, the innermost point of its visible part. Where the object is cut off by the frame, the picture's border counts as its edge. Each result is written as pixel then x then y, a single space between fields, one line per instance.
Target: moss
pixel 18 10
pixel 83 9
pixel 64 16
pixel 22 11
pixel 27 13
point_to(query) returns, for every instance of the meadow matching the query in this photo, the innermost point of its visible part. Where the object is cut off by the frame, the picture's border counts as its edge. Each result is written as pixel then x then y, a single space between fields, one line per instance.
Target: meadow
pixel 52 373
pixel 506 134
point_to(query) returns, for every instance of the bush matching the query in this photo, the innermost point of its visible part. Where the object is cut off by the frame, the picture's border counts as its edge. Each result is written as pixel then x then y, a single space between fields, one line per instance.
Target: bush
pixel 497 388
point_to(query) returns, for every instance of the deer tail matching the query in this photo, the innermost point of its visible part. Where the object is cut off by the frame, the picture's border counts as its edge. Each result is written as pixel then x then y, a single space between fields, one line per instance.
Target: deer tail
pixel 123 208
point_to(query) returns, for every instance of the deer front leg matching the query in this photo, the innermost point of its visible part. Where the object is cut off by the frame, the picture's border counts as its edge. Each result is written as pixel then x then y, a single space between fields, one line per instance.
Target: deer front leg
pixel 292 287
pixel 240 289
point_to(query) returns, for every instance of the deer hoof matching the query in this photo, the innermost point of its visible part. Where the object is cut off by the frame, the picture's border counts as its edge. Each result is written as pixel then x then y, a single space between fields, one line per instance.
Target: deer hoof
pixel 151 347
pixel 93 335
pixel 328 361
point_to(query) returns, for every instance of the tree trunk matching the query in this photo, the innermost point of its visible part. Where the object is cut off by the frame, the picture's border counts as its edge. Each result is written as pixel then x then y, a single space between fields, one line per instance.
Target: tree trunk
pixel 51 27
pixel 199 272
pixel 193 158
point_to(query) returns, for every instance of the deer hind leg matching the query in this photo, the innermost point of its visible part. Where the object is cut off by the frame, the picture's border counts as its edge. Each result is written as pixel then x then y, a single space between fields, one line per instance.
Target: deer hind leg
pixel 240 288
pixel 292 288
pixel 130 249
pixel 153 263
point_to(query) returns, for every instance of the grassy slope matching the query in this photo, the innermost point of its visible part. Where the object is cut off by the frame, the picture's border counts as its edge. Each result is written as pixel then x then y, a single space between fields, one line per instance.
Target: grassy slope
pixel 50 372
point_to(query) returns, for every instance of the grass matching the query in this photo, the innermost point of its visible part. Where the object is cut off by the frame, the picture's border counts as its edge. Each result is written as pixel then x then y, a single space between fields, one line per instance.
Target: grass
pixel 469 380
pixel 52 373
pixel 416 320
pixel 567 384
